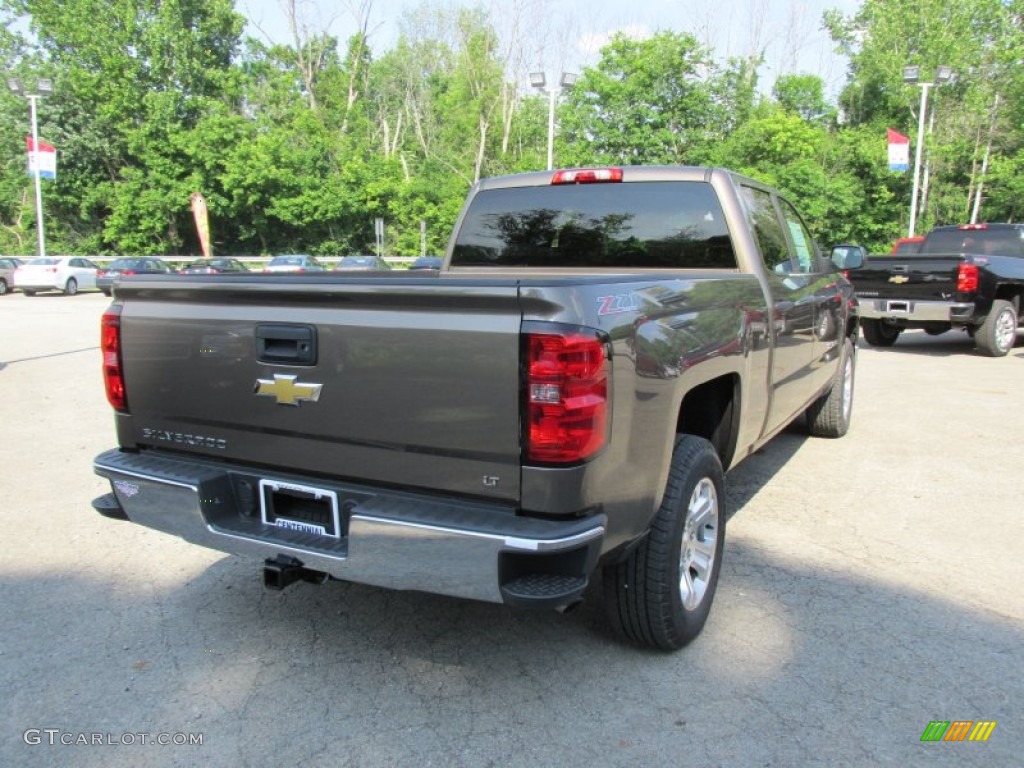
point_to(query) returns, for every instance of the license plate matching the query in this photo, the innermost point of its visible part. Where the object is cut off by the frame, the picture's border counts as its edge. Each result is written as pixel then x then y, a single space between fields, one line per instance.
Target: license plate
pixel 300 508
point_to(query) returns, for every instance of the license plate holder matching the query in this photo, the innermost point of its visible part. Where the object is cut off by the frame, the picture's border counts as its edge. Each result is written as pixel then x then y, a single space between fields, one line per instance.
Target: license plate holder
pixel 300 508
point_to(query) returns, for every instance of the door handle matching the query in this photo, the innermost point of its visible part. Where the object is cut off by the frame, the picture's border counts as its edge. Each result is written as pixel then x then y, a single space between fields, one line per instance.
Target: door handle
pixel 286 344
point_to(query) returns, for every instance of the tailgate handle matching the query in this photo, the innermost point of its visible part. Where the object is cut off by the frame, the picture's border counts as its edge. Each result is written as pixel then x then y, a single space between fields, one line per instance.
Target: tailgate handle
pixel 286 344
pixel 900 268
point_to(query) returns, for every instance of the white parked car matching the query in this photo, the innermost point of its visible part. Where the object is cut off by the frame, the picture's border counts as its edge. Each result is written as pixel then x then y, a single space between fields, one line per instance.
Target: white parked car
pixel 69 274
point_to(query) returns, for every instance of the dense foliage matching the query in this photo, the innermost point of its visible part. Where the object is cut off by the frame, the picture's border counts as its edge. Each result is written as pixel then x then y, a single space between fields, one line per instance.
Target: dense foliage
pixel 300 147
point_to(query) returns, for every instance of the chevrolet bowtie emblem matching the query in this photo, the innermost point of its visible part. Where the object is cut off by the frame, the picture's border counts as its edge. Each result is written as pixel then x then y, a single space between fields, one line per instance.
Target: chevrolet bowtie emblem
pixel 288 390
pixel 899 279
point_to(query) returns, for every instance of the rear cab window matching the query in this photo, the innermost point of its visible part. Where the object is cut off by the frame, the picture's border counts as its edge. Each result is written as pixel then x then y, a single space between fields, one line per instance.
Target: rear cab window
pixel 634 225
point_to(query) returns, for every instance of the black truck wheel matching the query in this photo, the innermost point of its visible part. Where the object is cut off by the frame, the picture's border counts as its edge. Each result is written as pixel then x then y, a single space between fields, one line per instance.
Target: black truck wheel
pixel 661 594
pixel 879 333
pixel 997 335
pixel 829 415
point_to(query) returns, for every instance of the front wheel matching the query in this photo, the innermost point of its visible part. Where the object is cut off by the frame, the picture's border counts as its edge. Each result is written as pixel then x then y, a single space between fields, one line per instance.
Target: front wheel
pixel 879 333
pixel 997 335
pixel 71 287
pixel 829 415
pixel 660 596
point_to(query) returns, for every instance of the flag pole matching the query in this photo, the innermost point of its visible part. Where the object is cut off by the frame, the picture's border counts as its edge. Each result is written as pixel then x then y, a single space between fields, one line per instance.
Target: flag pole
pixel 35 168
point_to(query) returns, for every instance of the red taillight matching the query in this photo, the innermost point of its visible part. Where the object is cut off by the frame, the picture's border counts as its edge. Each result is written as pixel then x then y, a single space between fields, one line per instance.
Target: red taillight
pixel 128 272
pixel 967 278
pixel 567 397
pixel 110 345
pixel 587 176
pixel 973 227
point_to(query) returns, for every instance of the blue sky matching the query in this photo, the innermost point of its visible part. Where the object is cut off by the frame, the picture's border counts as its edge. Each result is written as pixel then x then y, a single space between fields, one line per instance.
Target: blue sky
pixel 567 34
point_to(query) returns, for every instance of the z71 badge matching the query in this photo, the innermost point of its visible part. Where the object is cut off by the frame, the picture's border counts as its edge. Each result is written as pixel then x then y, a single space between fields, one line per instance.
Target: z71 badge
pixel 614 305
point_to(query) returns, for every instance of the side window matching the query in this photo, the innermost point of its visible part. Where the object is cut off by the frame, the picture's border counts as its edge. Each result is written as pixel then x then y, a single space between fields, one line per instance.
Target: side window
pixel 75 263
pixel 767 229
pixel 803 243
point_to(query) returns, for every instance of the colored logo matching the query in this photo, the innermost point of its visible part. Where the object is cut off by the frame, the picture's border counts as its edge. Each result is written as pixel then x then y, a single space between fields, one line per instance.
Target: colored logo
pixel 288 390
pixel 958 730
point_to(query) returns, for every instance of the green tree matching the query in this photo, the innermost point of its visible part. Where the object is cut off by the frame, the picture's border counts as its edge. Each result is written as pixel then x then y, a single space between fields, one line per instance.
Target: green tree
pixel 646 101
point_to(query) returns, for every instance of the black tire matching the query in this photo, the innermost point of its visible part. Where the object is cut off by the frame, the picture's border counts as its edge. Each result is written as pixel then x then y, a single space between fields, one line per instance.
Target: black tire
pixel 829 415
pixel 3 287
pixel 996 336
pixel 106 291
pixel 879 333
pixel 71 287
pixel 644 594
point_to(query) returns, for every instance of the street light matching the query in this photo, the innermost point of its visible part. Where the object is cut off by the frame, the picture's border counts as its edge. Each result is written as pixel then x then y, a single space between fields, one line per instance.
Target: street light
pixel 538 81
pixel 44 87
pixel 912 76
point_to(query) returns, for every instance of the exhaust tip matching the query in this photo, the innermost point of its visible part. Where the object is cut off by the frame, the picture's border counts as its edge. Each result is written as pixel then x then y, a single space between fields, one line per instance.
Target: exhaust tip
pixel 569 607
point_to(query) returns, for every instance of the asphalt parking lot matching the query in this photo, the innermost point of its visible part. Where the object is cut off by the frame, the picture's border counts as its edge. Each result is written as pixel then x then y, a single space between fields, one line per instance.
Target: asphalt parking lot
pixel 871 585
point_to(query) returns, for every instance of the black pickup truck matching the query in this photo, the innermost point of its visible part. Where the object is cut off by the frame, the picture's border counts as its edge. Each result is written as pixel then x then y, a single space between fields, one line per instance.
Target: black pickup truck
pixel 969 277
pixel 557 402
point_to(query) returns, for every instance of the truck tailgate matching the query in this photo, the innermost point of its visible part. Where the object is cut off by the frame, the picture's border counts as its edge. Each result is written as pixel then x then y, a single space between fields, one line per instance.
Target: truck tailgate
pixel 920 278
pixel 408 383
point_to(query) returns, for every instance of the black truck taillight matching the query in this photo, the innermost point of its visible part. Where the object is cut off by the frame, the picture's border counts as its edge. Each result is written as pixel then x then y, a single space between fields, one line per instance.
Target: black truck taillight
pixel 566 397
pixel 110 345
pixel 967 278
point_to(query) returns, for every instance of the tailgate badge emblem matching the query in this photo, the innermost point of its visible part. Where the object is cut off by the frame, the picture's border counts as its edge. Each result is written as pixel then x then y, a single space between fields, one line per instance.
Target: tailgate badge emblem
pixel 288 390
pixel 899 279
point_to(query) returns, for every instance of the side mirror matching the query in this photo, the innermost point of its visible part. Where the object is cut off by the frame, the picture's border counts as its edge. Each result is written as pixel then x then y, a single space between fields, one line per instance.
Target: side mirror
pixel 847 256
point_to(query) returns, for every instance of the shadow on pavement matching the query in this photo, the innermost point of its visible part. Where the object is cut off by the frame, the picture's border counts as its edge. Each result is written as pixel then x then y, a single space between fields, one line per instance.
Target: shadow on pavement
pixel 350 675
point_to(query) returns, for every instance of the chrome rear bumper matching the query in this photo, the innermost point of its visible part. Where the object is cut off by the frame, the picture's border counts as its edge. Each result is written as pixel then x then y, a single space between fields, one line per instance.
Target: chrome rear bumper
pixel 388 538
pixel 916 311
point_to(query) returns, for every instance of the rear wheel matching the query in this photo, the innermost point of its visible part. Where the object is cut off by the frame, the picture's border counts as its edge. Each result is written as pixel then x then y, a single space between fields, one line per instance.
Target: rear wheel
pixel 879 333
pixel 829 415
pixel 3 287
pixel 997 335
pixel 71 287
pixel 661 594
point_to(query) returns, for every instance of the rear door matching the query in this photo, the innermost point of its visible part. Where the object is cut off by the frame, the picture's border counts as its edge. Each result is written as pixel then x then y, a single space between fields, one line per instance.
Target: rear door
pixel 393 381
pixel 794 284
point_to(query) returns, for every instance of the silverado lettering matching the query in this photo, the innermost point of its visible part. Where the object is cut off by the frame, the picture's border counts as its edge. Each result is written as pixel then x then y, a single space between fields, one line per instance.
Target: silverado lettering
pixel 199 441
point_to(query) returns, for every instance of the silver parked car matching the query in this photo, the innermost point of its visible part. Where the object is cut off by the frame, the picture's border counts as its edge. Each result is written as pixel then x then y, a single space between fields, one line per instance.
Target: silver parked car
pixel 69 274
pixel 295 262
pixel 7 266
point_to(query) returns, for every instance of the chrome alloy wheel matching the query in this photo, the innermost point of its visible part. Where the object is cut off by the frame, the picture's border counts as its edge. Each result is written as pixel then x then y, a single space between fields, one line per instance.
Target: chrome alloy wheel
pixel 1006 330
pixel 848 387
pixel 699 544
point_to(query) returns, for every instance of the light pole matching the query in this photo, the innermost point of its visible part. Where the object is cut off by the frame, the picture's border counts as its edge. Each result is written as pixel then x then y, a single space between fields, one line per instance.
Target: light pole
pixel 538 81
pixel 912 75
pixel 44 87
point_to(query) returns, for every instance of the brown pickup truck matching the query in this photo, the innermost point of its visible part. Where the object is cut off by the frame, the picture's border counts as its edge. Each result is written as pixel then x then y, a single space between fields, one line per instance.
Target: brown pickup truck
pixel 559 401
